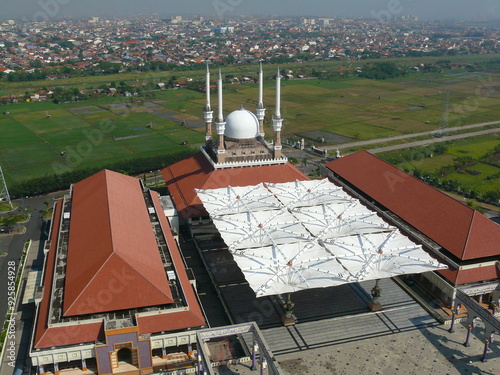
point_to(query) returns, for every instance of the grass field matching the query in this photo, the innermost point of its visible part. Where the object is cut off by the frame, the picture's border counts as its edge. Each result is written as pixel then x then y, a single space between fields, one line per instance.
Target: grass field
pixel 241 70
pixel 89 133
pixel 102 131
pixel 472 177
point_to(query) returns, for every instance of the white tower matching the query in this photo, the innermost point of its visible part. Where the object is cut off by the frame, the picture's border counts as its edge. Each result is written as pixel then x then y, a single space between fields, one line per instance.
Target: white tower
pixel 221 125
pixel 277 118
pixel 207 111
pixel 4 192
pixel 261 110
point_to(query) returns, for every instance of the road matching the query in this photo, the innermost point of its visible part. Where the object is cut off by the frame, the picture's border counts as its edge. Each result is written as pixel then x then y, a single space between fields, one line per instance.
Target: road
pixel 406 136
pixel 433 140
pixel 13 246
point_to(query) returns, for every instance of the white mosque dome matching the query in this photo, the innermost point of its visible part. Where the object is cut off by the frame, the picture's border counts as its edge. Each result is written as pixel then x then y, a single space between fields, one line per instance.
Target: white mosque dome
pixel 241 124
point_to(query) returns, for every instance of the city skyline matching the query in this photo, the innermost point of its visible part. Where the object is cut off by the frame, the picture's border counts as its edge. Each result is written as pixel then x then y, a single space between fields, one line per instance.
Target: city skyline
pixel 380 9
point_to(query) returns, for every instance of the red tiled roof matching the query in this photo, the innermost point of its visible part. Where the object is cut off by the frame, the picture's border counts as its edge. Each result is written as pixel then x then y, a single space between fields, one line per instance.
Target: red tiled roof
pixel 464 232
pixel 192 315
pixel 46 336
pixel 196 172
pixel 113 259
pixel 471 275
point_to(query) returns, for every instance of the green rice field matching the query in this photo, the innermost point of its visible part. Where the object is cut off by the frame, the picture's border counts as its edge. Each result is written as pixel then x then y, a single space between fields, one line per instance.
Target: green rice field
pixel 82 135
pixel 476 176
pixel 102 131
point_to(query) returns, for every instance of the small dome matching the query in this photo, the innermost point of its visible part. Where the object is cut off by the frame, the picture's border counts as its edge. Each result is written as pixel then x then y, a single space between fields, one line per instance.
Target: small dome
pixel 242 124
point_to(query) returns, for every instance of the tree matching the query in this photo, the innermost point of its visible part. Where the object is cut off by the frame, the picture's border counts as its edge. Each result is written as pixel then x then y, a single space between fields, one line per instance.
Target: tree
pixel 417 173
pixel 9 222
pixel 464 161
pixel 382 70
pixel 36 64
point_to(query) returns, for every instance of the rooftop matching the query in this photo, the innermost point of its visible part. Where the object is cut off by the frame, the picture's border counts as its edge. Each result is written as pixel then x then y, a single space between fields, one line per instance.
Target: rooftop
pixel 96 312
pixel 122 245
pixel 196 172
pixel 308 234
pixel 459 229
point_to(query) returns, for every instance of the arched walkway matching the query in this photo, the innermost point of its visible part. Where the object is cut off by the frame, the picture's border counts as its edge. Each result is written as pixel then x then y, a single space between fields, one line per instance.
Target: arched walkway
pixel 475 311
pixel 125 356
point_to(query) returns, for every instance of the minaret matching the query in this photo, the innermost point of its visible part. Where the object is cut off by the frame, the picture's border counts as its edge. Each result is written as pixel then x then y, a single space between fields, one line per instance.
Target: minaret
pixel 277 119
pixel 207 111
pixel 261 110
pixel 221 125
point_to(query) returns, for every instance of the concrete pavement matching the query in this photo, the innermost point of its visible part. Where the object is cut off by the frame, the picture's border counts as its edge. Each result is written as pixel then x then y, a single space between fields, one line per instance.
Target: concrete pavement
pixel 433 140
pixel 34 261
pixel 13 244
pixel 406 136
pixel 15 356
pixel 426 350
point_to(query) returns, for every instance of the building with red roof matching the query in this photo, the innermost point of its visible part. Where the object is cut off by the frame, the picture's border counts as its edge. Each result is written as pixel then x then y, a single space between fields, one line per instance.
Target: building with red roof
pixel 115 288
pixel 196 172
pixel 460 236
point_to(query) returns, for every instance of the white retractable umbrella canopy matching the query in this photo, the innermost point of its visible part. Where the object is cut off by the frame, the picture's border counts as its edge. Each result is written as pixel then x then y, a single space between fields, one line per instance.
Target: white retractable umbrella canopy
pixel 289 268
pixel 309 234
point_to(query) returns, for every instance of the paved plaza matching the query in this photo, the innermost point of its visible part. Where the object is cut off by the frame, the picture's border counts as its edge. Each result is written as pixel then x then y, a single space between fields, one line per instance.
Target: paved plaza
pixel 401 339
pixel 426 350
pixel 336 333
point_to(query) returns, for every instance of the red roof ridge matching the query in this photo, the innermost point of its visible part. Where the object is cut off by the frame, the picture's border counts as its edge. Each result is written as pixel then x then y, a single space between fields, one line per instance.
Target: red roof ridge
pixel 478 231
pixel 174 180
pixel 146 279
pixel 124 254
pixel 469 232
pixel 471 210
pixel 86 286
pixel 458 228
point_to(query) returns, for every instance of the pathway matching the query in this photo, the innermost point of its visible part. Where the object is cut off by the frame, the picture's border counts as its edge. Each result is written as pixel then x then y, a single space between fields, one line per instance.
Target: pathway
pixel 413 135
pixel 433 140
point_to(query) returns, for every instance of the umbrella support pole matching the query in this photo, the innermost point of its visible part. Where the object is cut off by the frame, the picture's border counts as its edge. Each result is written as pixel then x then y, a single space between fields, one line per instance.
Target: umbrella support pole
pixel 288 319
pixel 374 304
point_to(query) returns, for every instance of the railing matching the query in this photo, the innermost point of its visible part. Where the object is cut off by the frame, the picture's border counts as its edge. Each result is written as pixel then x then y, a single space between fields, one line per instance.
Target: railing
pixel 248 163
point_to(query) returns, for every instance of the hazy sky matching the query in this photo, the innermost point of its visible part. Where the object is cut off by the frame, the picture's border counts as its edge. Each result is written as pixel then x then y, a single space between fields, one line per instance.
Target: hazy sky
pixel 425 9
